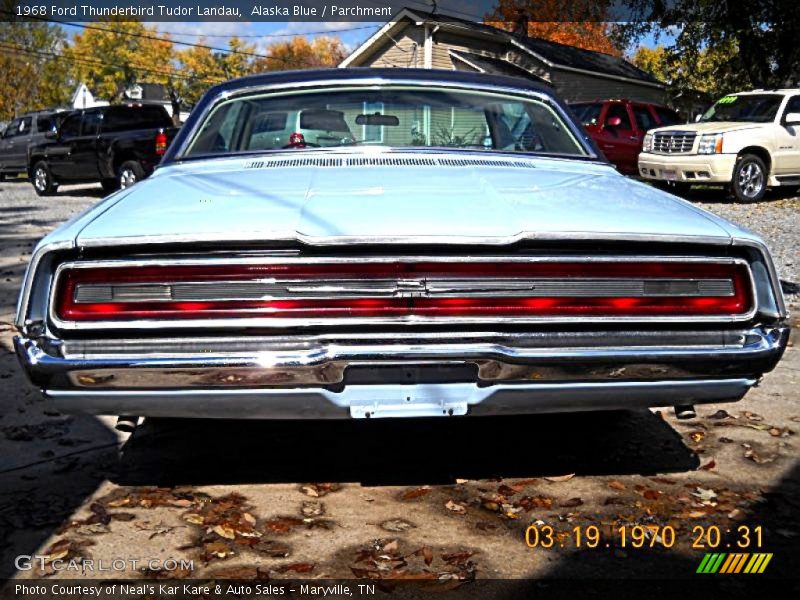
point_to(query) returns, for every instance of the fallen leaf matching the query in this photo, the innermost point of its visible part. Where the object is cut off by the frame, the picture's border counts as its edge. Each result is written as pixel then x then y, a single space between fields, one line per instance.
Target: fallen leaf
pixel 709 465
pixel 397 525
pixel 571 503
pixel 282 524
pixel 58 550
pixel 616 485
pixel 317 490
pixel 751 416
pixel 243 573
pixel 312 509
pixel 560 478
pixel 296 567
pixel 272 548
pixel 506 491
pixel 218 549
pixel 193 518
pixel 697 436
pixel 224 531
pixel 706 495
pixel 414 493
pixel 528 503
pixel 650 494
pixel 455 507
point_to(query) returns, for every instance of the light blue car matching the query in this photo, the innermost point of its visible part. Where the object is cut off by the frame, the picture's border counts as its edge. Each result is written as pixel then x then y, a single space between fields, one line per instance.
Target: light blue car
pixel 464 249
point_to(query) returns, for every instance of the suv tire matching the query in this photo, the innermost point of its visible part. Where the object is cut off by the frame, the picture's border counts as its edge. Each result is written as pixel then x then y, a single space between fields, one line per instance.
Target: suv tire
pixel 42 179
pixel 129 173
pixel 749 178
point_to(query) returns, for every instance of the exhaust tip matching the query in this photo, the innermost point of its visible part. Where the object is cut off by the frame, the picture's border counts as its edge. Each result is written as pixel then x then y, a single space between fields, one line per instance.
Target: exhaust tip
pixel 685 411
pixel 126 424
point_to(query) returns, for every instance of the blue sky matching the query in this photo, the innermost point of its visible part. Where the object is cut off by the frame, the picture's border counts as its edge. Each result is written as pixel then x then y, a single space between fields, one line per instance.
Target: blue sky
pixel 352 33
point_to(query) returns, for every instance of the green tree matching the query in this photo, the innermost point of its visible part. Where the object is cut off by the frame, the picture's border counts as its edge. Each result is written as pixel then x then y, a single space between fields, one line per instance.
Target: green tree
pixel 742 44
pixel 32 76
pixel 704 71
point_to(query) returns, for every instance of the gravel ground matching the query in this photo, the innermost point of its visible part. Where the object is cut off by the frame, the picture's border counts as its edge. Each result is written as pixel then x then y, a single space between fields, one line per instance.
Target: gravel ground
pixel 776 219
pixel 449 499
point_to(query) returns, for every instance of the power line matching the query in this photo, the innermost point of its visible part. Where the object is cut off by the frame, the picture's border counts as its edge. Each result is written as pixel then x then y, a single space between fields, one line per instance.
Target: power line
pixel 267 35
pixel 151 37
pixel 90 62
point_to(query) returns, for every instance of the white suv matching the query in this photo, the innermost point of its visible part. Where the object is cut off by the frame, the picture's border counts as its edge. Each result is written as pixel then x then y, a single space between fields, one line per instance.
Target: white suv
pixel 748 141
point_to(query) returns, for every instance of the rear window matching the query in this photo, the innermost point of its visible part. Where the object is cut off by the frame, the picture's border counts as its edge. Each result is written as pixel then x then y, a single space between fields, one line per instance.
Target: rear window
pixel 125 118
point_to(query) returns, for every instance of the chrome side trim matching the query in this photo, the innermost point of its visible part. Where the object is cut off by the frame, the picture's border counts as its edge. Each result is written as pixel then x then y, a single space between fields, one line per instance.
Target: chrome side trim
pixel 267 322
pixel 422 400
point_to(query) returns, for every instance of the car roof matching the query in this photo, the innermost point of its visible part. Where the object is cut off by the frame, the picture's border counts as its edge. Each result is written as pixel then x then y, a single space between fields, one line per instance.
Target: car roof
pixel 387 74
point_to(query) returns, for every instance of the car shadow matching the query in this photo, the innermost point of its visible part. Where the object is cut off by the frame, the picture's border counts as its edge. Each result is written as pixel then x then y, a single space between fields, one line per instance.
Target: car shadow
pixel 400 452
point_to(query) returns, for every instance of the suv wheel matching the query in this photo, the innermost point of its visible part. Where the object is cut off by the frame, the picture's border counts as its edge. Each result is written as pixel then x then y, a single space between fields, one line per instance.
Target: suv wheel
pixel 42 179
pixel 129 173
pixel 749 178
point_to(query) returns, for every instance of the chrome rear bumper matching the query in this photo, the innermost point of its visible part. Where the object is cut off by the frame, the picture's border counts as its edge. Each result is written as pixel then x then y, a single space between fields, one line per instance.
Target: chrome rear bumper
pixel 399 374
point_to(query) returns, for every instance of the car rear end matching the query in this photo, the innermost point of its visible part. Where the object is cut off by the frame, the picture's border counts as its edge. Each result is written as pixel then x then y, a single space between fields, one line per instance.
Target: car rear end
pixel 370 331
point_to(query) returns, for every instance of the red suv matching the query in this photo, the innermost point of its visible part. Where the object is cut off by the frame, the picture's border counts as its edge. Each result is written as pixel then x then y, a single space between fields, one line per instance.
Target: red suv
pixel 618 127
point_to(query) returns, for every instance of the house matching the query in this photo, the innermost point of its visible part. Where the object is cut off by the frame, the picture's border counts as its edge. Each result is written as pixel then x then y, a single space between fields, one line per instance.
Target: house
pixel 83 97
pixel 415 38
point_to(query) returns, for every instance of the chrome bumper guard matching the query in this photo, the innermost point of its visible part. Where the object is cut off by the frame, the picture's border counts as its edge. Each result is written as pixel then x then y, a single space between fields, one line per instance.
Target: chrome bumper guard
pixel 403 374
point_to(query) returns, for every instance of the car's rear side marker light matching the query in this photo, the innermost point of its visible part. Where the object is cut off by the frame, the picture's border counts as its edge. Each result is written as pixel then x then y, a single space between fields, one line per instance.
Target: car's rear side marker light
pixel 308 291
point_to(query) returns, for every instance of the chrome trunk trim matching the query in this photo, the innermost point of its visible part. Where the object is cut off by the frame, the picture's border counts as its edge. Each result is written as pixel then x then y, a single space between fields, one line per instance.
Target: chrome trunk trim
pixel 416 320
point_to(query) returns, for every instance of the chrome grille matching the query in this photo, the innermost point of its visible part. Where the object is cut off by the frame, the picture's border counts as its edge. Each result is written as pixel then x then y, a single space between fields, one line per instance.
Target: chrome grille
pixel 674 142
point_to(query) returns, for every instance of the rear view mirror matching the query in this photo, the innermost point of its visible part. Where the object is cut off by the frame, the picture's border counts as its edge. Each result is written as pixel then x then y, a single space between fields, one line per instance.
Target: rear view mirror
pixel 697 118
pixel 792 118
pixel 378 119
pixel 614 122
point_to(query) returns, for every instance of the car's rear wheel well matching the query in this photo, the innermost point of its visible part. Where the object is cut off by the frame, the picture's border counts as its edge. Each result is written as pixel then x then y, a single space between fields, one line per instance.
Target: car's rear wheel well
pixel 33 160
pixel 121 158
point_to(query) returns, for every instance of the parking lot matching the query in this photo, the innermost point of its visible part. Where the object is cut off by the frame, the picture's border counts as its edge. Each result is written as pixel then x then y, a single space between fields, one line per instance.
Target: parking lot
pixel 444 498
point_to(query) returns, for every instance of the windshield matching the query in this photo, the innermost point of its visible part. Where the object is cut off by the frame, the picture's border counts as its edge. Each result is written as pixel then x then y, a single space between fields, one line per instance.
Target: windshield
pixel 391 116
pixel 750 108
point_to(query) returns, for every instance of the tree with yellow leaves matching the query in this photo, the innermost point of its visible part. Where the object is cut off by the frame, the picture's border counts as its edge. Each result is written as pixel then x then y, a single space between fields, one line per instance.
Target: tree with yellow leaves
pixel 109 56
pixel 31 72
pixel 299 53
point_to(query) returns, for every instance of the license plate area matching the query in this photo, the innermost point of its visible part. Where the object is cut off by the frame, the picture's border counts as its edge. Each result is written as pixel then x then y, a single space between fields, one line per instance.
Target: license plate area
pixel 410 390
pixel 424 400
pixel 669 174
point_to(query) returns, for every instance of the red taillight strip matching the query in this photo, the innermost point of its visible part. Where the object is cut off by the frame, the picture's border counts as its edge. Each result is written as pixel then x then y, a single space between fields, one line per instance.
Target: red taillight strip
pixel 67 309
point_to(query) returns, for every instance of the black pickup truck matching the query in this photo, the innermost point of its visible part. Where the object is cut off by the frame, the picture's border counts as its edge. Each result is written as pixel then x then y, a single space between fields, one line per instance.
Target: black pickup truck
pixel 115 145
